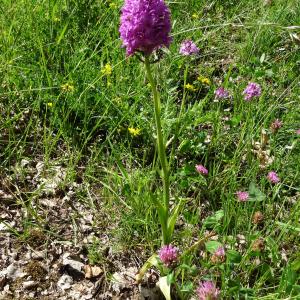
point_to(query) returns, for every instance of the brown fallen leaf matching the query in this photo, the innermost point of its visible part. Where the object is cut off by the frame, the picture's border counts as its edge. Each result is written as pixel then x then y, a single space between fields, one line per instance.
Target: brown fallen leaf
pixel 92 271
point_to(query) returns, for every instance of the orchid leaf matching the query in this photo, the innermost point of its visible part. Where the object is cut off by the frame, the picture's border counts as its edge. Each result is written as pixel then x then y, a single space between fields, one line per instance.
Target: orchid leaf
pixel 152 261
pixel 173 218
pixel 165 287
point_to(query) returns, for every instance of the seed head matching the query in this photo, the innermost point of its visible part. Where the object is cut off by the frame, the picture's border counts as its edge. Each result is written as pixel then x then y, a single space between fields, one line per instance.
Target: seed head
pixel 258 217
pixel 258 245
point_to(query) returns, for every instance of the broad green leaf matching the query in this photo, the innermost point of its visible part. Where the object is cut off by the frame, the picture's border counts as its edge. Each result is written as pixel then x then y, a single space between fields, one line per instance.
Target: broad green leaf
pixel 212 246
pixel 234 121
pixel 255 194
pixel 212 221
pixel 165 287
pixel 233 256
pixel 219 214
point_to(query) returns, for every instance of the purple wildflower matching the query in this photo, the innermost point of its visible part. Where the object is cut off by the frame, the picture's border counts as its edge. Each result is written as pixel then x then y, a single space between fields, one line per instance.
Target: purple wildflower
pixel 145 26
pixel 208 291
pixel 219 255
pixel 168 255
pixel 188 47
pixel 221 93
pixel 201 169
pixel 273 177
pixel 242 196
pixel 220 252
pixel 252 90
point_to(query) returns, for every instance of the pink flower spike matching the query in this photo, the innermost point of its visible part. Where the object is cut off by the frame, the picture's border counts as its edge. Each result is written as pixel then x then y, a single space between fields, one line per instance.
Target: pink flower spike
pixel 220 252
pixel 201 169
pixel 168 254
pixel 145 26
pixel 188 47
pixel 221 93
pixel 273 177
pixel 242 196
pixel 252 90
pixel 298 131
pixel 208 291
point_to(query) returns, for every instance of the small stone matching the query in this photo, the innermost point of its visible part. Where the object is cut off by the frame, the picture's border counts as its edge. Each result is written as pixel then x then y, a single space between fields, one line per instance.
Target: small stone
pixel 38 255
pixel 29 284
pixel 65 282
pixel 77 265
pixel 13 272
pixel 24 162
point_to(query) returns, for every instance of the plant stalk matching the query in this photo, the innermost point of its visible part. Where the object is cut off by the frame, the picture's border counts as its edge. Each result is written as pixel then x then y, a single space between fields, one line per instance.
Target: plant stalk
pixel 165 174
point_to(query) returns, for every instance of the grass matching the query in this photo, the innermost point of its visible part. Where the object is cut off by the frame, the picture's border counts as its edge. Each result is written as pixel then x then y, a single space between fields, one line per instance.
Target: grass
pixel 83 128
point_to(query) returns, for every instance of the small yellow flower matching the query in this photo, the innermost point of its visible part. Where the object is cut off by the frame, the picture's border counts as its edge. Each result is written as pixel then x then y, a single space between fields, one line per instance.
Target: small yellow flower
pixel 195 16
pixel 107 70
pixel 56 19
pixel 190 87
pixel 49 104
pixel 204 80
pixel 134 131
pixel 113 5
pixel 149 85
pixel 67 87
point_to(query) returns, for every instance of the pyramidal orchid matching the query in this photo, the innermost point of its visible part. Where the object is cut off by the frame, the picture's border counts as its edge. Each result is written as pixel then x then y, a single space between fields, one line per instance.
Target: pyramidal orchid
pixel 145 26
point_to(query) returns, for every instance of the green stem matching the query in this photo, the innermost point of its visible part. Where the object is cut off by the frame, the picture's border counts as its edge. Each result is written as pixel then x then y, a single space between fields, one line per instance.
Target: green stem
pixel 161 152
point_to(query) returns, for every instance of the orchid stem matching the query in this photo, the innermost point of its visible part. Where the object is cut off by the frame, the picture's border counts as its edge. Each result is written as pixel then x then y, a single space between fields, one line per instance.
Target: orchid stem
pixel 165 174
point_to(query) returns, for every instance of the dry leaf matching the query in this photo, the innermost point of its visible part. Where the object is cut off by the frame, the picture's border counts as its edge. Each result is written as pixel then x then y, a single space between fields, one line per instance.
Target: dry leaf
pixel 92 271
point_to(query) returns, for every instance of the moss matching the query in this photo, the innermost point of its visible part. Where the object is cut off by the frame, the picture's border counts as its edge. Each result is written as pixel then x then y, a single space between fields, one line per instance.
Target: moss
pixel 35 270
pixel 36 238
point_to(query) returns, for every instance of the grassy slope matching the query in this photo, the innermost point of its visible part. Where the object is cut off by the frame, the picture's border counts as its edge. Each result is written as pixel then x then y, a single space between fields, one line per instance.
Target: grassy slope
pixel 44 46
